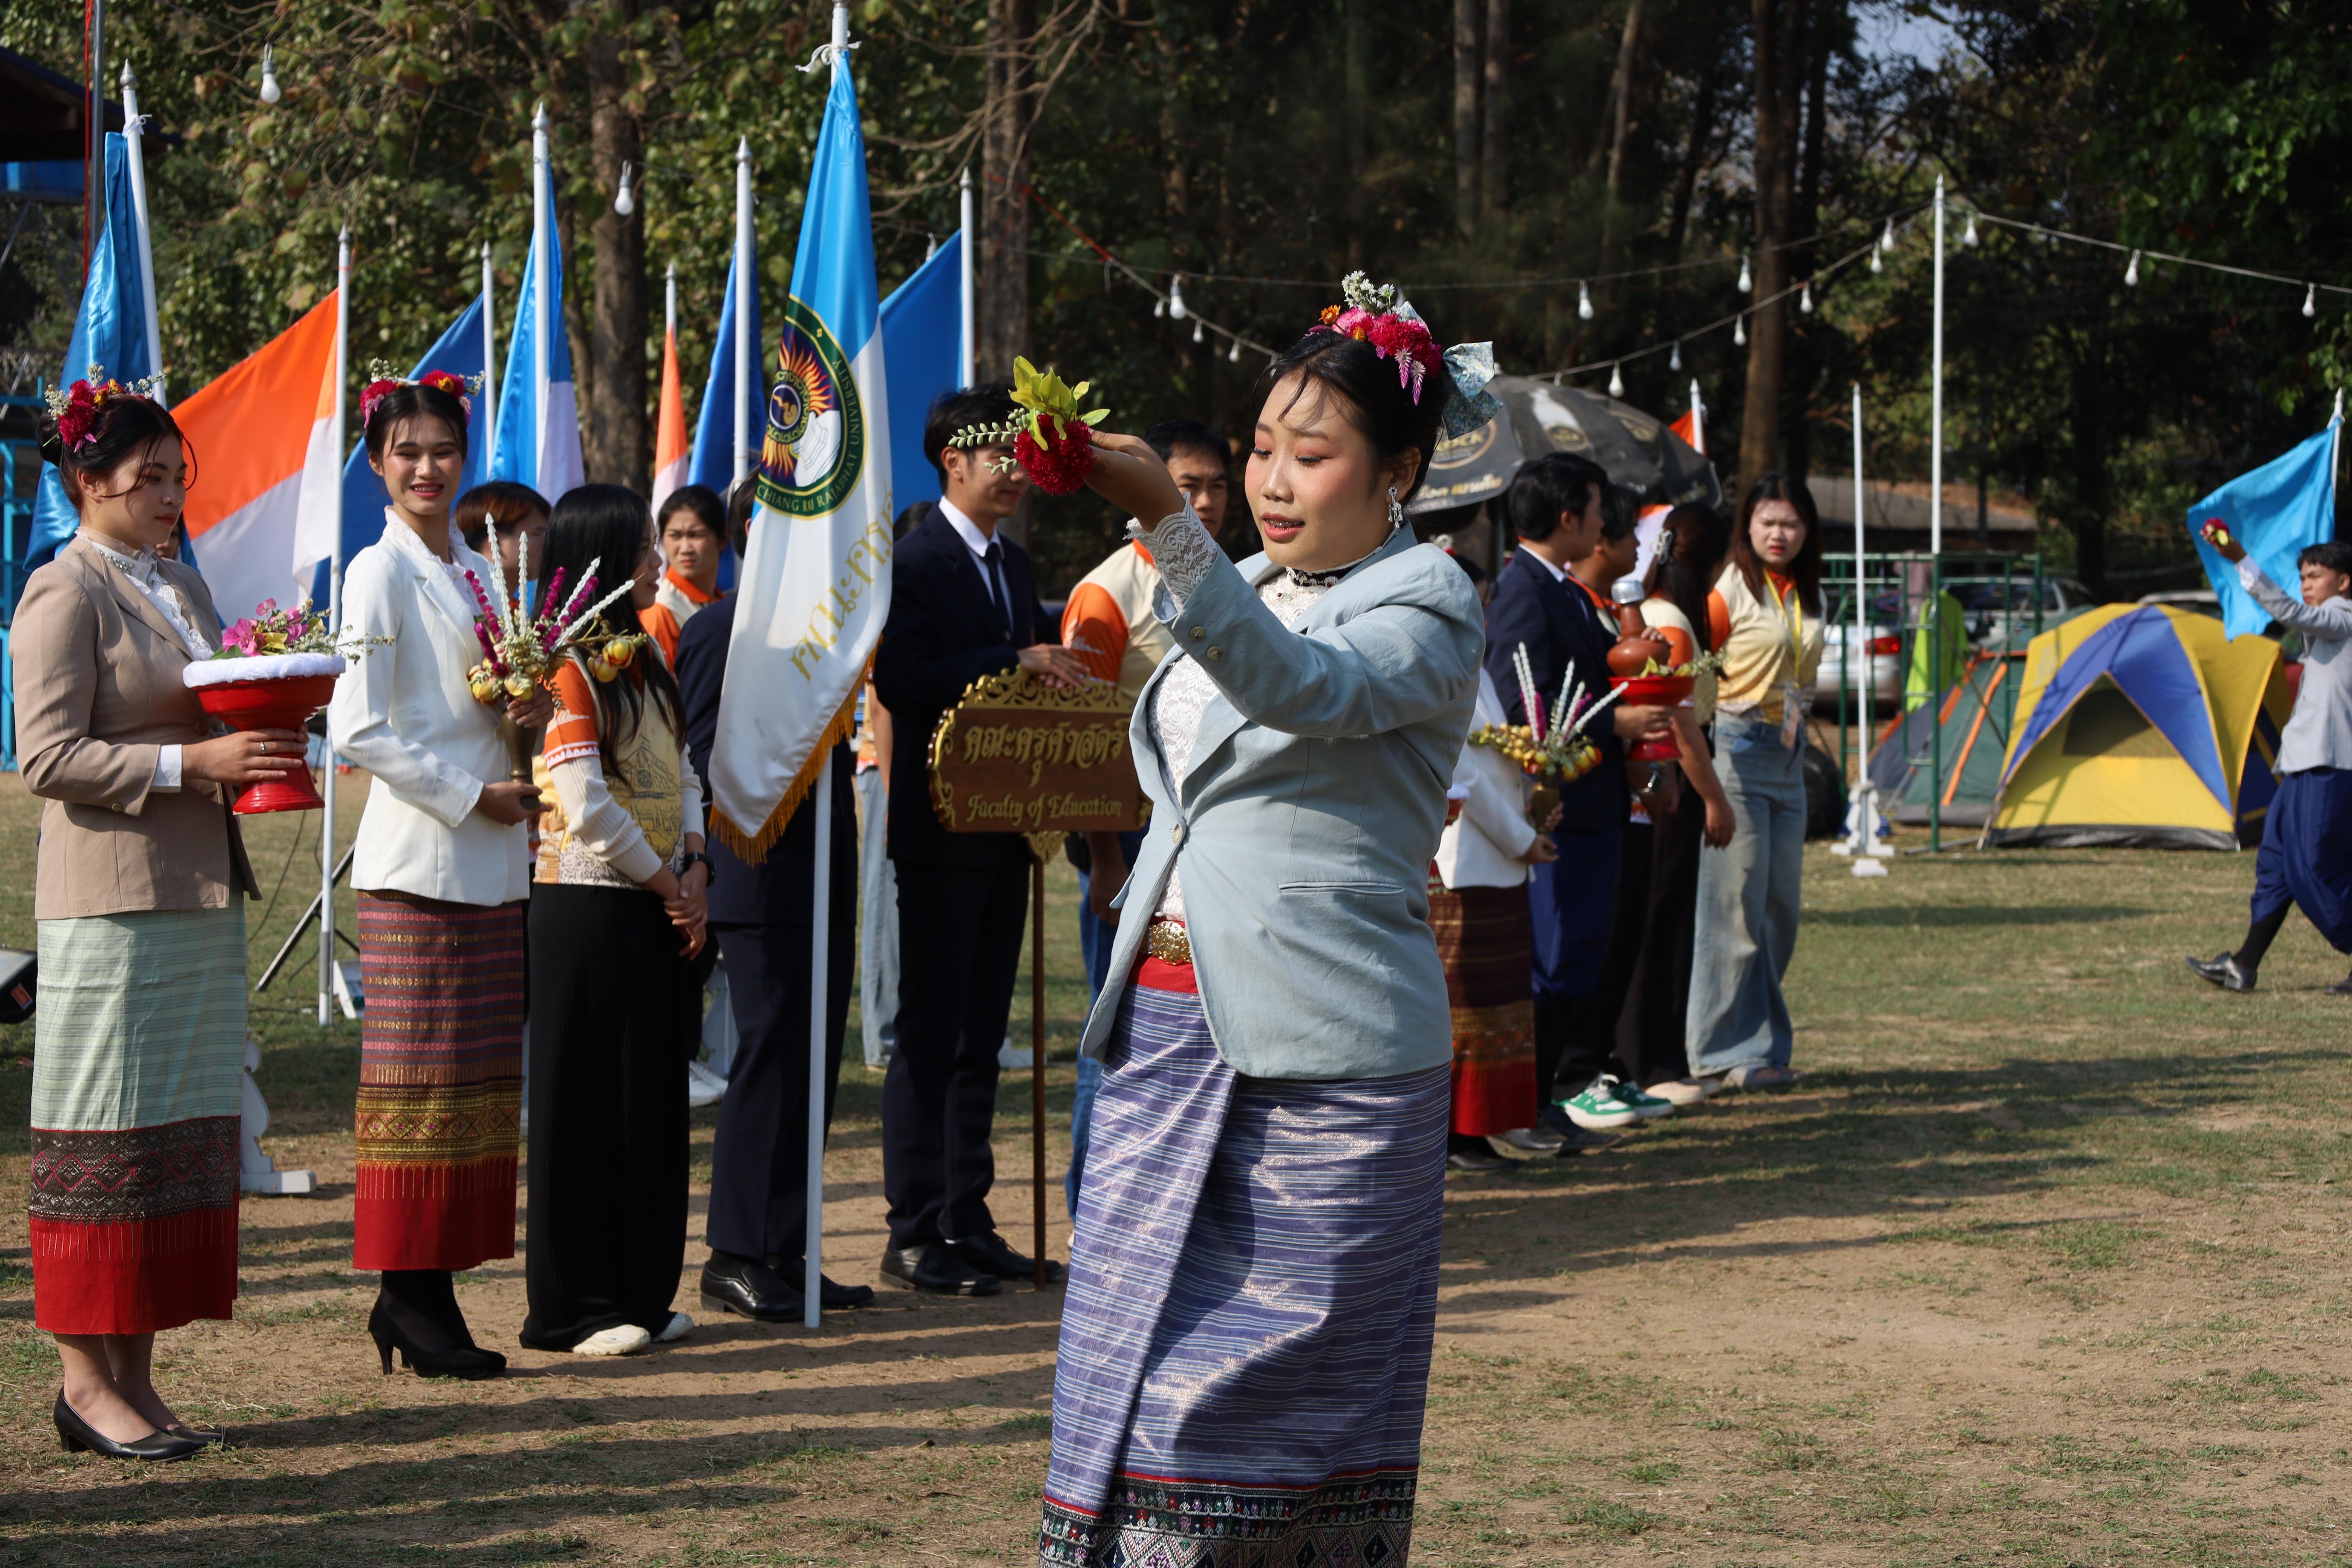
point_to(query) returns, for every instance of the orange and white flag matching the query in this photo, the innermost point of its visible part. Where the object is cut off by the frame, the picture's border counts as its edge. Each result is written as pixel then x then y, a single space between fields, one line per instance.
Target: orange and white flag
pixel 267 494
pixel 672 448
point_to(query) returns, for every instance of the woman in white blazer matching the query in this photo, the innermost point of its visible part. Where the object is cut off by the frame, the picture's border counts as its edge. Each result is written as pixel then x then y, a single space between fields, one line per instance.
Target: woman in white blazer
pixel 1485 938
pixel 442 872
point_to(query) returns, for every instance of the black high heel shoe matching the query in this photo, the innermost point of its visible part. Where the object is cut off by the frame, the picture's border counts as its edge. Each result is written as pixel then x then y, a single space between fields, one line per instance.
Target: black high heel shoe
pixel 469 1362
pixel 76 1435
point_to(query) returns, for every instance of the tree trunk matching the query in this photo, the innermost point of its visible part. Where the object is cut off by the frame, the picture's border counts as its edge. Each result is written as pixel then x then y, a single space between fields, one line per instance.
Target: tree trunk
pixel 1360 72
pixel 1465 115
pixel 2090 455
pixel 575 319
pixel 1806 223
pixel 616 447
pixel 1004 196
pixel 1621 101
pixel 1695 154
pixel 1498 193
pixel 1778 87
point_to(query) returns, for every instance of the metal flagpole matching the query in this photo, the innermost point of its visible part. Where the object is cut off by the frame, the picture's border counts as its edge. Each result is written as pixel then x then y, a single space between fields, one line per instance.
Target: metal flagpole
pixel 669 311
pixel 542 248
pixel 490 431
pixel 964 355
pixel 1936 396
pixel 335 621
pixel 93 190
pixel 131 138
pixel 820 891
pixel 746 290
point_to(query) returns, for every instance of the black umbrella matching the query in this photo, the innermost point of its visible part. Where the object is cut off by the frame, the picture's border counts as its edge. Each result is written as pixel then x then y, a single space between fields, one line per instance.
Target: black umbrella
pixel 1633 447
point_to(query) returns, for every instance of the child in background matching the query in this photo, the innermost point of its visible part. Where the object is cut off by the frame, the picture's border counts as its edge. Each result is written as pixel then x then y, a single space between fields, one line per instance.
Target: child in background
pixel 2305 860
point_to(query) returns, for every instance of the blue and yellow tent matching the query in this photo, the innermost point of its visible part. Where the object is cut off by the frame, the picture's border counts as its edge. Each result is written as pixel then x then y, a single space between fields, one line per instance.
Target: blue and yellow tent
pixel 2142 724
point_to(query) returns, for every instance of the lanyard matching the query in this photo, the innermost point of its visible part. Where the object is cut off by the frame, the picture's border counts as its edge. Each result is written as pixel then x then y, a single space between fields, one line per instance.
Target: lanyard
pixel 1793 615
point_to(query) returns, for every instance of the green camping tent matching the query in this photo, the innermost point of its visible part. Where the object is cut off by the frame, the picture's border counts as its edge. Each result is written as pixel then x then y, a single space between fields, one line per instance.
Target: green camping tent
pixel 1974 719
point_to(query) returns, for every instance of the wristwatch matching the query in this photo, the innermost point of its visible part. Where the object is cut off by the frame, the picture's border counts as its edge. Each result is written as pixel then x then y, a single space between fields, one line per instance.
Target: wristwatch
pixel 710 866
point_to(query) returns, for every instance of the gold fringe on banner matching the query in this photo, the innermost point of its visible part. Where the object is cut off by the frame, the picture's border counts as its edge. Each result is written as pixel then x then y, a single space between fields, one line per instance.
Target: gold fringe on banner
pixel 752 847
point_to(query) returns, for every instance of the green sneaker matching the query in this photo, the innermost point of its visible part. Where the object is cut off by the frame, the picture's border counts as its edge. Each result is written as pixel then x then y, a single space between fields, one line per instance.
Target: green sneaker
pixel 1649 1105
pixel 1600 1107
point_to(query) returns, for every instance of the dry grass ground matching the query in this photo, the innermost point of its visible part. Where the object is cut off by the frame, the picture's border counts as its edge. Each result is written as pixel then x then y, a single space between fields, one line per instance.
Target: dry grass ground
pixel 2043 1263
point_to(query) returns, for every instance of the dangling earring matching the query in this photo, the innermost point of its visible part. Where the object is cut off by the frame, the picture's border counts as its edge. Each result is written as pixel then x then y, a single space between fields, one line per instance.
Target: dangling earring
pixel 1396 510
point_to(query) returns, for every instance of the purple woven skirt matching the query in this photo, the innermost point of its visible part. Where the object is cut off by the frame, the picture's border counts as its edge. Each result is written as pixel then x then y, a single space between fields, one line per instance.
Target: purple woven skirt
pixel 1244 1352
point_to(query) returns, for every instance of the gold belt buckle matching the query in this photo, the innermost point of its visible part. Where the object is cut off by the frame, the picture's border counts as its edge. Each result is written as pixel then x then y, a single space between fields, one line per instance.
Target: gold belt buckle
pixel 1167 942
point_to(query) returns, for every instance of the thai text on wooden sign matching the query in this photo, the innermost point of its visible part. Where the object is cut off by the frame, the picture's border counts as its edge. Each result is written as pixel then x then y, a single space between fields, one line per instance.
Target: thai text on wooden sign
pixel 1015 755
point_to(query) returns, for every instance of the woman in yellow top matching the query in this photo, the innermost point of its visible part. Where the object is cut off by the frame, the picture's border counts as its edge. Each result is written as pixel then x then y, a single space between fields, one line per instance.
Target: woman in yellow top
pixel 1766 617
pixel 617 917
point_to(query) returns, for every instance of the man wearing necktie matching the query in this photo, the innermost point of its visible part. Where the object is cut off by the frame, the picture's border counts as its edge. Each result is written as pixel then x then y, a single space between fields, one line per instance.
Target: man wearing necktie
pixel 962 605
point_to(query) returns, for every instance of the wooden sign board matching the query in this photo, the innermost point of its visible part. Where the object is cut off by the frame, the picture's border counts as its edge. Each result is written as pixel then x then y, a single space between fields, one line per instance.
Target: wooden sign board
pixel 1016 756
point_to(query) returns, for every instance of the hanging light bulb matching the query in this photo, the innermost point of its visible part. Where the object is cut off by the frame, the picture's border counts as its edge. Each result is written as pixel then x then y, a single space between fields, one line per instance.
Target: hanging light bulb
pixel 1969 237
pixel 2131 271
pixel 1616 380
pixel 2310 301
pixel 1159 308
pixel 1176 297
pixel 625 201
pixel 1674 359
pixel 1196 329
pixel 270 91
pixel 1805 298
pixel 1886 237
pixel 1234 357
pixel 1583 303
pixel 1739 330
pixel 1876 264
pixel 1747 281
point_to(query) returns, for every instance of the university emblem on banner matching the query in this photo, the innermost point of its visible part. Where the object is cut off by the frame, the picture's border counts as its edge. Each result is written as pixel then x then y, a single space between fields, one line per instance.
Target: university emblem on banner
pixel 815 446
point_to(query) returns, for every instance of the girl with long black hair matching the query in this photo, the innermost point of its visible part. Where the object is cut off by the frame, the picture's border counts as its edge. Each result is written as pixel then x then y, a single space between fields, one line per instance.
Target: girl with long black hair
pixel 615 920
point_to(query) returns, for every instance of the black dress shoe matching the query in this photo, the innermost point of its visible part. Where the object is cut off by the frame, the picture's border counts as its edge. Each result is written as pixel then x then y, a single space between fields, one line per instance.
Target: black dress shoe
pixel 76 1436
pixel 469 1362
pixel 988 1253
pixel 1479 1161
pixel 2224 971
pixel 936 1268
pixel 831 1294
pixel 1578 1141
pixel 205 1436
pixel 2341 988
pixel 750 1288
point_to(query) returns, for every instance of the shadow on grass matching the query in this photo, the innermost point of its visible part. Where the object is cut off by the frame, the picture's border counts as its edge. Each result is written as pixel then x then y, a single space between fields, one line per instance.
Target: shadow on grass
pixel 1965 915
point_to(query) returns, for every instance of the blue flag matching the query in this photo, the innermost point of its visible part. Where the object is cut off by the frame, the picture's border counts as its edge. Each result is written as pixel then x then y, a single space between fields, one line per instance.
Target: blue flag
pixel 713 462
pixel 538 420
pixel 109 330
pixel 922 344
pixel 815 587
pixel 2274 511
pixel 460 352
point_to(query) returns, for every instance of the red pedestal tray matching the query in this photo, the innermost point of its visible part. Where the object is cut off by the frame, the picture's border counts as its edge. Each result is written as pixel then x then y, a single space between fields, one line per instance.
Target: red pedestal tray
pixel 286 703
pixel 1653 691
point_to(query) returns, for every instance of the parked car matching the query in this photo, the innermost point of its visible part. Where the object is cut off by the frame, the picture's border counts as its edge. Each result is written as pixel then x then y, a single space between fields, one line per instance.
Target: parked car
pixel 2204 601
pixel 1883 653
pixel 2001 615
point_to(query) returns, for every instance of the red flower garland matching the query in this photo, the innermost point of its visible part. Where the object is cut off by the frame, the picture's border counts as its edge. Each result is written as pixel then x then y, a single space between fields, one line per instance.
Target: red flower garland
pixel 1059 468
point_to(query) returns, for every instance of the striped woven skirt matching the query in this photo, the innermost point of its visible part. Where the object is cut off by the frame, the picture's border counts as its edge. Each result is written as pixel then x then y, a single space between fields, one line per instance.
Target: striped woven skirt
pixel 1485 942
pixel 1245 1344
pixel 139 1045
pixel 440 1082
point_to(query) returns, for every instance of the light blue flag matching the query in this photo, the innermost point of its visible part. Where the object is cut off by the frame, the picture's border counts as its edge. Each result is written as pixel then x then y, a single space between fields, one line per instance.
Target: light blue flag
pixel 713 461
pixel 816 580
pixel 460 352
pixel 109 330
pixel 922 344
pixel 538 423
pixel 2274 511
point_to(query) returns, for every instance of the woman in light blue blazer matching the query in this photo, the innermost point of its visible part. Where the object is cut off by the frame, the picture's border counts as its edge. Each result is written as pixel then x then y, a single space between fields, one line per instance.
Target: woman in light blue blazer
pixel 1245 1347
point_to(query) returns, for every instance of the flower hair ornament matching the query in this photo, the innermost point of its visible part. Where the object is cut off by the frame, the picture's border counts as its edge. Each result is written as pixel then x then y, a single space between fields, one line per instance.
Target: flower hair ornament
pixel 1377 315
pixel 75 408
pixel 384 380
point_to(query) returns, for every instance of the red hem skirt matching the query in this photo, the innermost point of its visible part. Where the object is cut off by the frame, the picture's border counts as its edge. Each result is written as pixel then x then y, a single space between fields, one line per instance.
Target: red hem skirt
pixel 1486 941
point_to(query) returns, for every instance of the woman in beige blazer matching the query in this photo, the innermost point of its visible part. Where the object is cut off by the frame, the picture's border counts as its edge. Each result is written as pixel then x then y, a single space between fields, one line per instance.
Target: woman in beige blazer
pixel 141 1031
pixel 441 866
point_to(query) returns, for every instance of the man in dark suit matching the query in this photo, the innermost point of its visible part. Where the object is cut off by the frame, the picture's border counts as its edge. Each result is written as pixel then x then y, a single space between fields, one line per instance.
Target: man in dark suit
pixel 963 605
pixel 763 919
pixel 1554 505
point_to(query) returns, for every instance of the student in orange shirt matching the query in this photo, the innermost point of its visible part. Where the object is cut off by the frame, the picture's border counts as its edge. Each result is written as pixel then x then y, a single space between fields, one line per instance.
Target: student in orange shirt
pixel 1109 625
pixel 692 524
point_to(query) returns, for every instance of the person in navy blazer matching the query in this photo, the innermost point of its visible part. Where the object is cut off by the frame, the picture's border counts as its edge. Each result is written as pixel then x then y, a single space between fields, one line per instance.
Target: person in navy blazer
pixel 763 917
pixel 1554 505
pixel 963 603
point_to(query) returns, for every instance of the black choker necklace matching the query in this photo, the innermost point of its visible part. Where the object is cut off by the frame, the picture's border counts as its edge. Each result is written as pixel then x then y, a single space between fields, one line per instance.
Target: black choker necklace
pixel 1317 579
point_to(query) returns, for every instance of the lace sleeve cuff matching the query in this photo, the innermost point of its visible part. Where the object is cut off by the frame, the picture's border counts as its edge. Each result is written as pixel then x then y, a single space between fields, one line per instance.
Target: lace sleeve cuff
pixel 1184 550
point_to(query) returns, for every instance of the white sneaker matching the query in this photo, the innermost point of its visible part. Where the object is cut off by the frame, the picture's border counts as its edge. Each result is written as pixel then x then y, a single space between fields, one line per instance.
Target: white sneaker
pixel 703 1087
pixel 1530 1140
pixel 1686 1091
pixel 1600 1107
pixel 678 1328
pixel 625 1340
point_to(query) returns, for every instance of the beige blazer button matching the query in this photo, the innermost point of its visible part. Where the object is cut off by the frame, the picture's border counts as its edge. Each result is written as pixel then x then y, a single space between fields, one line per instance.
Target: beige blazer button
pixel 1216 653
pixel 1176 834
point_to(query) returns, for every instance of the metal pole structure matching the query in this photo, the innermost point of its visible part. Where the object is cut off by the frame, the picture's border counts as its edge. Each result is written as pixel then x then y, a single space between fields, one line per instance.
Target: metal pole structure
pixel 966 345
pixel 94 188
pixel 840 38
pixel 542 251
pixel 1936 397
pixel 335 623
pixel 746 290
pixel 488 432
pixel 138 165
pixel 1038 1057
pixel 1861 598
pixel 669 305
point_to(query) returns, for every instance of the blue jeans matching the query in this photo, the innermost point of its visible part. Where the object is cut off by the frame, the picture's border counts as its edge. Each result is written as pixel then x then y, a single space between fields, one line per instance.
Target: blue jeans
pixel 1749 896
pixel 1095 941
